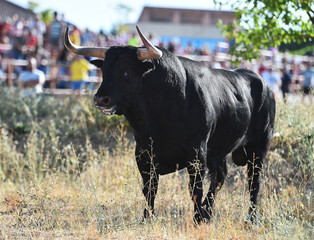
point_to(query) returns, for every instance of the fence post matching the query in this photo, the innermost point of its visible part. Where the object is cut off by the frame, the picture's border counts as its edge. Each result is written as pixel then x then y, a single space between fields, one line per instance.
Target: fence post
pixel 10 73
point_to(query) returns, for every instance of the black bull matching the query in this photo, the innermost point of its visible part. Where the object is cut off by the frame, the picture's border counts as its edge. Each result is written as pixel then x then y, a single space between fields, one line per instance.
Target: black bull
pixel 185 115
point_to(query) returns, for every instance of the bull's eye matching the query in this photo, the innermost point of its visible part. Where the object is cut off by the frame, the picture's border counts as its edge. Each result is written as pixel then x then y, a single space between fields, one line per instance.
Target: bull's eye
pixel 125 74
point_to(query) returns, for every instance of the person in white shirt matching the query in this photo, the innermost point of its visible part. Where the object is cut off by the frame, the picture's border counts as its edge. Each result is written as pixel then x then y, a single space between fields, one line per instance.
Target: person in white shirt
pixel 308 82
pixel 271 78
pixel 32 77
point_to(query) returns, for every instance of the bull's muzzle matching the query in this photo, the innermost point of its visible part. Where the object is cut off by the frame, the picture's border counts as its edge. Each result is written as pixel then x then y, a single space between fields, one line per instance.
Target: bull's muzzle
pixel 102 101
pixel 104 104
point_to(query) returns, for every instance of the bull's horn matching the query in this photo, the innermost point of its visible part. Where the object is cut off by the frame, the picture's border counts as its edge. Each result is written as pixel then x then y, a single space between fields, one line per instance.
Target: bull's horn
pixel 151 52
pixel 99 52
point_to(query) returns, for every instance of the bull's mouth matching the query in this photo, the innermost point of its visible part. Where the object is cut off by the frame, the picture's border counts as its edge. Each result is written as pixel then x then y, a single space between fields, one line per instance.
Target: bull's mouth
pixel 107 110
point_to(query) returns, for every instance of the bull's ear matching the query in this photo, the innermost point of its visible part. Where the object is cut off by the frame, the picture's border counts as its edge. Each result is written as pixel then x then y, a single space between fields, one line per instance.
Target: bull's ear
pixel 97 62
pixel 147 66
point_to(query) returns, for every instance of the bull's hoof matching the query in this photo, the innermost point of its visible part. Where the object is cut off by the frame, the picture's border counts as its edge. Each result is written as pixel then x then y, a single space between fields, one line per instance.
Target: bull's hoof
pixel 252 217
pixel 197 219
pixel 202 217
pixel 148 214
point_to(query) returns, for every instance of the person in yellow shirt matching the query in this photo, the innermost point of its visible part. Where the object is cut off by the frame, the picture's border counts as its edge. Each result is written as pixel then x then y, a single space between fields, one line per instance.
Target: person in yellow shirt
pixel 79 72
pixel 133 41
pixel 75 36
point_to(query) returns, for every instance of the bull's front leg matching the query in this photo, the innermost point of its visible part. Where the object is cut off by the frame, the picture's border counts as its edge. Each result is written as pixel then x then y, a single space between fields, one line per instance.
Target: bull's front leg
pixel 196 174
pixel 150 186
pixel 150 179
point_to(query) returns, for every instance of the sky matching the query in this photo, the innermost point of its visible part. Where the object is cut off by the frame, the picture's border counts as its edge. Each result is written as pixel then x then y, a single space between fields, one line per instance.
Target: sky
pixel 102 14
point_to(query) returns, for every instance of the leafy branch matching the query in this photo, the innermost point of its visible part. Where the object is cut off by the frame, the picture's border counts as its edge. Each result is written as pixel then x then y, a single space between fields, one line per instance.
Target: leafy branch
pixel 262 24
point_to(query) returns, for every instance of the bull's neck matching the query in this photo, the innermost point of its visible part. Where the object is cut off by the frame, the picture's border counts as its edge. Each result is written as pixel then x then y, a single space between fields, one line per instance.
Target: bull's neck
pixel 135 114
pixel 153 101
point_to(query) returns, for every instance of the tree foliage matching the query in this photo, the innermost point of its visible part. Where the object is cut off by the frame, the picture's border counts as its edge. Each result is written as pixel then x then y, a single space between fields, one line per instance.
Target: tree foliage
pixel 45 15
pixel 262 24
pixel 32 5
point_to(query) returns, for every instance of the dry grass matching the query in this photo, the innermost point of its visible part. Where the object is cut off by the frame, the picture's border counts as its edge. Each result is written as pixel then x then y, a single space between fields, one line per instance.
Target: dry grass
pixel 59 182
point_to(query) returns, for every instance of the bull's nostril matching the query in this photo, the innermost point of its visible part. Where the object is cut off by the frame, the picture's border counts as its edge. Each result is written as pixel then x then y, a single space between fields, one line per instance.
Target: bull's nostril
pixel 106 100
pixel 102 101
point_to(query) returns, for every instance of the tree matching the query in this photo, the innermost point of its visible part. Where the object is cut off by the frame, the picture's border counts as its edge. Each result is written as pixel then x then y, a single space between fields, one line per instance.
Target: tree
pixel 45 15
pixel 261 24
pixel 32 5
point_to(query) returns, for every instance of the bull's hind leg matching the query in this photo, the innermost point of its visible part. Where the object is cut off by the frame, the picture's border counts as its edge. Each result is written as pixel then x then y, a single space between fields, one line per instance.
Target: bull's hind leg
pixel 254 168
pixel 253 157
pixel 217 180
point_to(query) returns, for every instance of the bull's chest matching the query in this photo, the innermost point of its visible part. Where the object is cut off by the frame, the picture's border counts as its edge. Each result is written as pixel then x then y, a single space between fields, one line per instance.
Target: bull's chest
pixel 170 156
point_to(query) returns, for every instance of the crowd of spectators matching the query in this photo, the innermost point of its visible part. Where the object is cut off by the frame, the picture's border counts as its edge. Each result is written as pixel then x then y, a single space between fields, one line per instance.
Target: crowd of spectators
pixel 42 44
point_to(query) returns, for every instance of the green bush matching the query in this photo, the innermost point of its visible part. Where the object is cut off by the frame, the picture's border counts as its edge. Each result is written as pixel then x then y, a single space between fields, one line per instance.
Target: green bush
pixel 42 128
pixel 294 135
